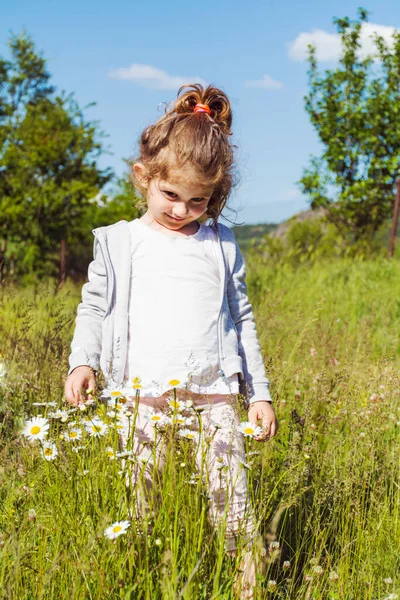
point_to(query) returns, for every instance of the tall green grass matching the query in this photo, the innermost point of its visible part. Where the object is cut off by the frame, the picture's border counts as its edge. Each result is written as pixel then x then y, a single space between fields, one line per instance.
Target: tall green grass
pixel 325 490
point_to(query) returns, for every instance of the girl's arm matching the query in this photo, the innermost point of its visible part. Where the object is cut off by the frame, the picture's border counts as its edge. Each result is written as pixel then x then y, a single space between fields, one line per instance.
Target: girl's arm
pixel 255 385
pixel 86 343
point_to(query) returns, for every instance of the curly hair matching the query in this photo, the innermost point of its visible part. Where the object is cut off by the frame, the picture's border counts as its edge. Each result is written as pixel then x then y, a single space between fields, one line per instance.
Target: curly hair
pixel 183 138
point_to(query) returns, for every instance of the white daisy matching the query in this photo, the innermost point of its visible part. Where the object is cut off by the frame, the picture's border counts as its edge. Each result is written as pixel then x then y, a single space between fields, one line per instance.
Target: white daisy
pixel 73 434
pixel 36 428
pixel 116 529
pixel 49 450
pixel 249 429
pixel 115 394
pixel 111 453
pixel 155 417
pixel 96 427
pixel 176 404
pixel 53 404
pixel 117 404
pixel 78 448
pixel 189 434
pixel 59 414
pixel 124 454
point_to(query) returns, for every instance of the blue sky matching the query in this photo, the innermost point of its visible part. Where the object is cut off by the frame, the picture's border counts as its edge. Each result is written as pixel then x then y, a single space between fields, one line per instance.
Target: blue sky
pixel 129 57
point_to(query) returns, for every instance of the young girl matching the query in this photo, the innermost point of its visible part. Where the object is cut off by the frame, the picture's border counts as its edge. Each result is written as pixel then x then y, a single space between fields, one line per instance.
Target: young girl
pixel 166 304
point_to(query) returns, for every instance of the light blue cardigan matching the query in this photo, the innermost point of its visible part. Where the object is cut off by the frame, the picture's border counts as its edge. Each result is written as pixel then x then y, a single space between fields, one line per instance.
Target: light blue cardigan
pixel 101 334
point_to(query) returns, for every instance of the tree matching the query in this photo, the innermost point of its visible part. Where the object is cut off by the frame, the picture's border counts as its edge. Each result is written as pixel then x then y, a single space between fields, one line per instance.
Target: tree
pixel 355 110
pixel 48 170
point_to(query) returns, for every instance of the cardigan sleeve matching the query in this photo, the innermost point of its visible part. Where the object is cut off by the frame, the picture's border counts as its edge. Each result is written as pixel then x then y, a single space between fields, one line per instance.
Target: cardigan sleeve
pixel 87 338
pixel 254 386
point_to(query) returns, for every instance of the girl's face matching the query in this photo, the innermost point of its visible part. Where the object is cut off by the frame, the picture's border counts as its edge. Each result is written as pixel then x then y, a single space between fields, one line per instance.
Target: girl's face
pixel 176 203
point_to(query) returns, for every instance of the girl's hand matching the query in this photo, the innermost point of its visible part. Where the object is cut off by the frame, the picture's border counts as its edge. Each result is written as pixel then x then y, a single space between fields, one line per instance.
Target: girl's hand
pixel 81 379
pixel 262 409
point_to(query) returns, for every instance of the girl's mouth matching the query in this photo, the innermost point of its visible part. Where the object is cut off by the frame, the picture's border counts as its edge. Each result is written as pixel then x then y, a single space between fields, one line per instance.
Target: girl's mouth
pixel 174 219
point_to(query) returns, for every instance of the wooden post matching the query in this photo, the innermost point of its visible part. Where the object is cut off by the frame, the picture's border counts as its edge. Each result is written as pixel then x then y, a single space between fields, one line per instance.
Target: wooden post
pixel 395 219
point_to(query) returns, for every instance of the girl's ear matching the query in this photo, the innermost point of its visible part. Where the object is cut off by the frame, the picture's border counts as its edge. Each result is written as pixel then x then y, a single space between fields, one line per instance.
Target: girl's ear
pixel 140 173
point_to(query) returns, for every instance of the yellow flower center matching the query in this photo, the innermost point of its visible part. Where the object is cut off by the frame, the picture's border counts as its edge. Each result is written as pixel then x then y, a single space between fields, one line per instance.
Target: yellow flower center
pixel 96 428
pixel 110 453
pixel 117 528
pixel 156 417
pixel 35 429
pixel 174 382
pixel 116 394
pixel 249 430
pixel 48 451
pixel 72 434
pixel 137 386
pixel 190 436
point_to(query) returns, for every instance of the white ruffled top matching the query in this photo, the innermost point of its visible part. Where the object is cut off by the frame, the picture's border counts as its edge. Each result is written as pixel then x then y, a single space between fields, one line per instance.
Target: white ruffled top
pixel 174 304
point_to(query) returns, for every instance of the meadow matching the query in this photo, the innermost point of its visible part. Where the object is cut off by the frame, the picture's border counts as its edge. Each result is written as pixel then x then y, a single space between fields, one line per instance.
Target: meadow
pixel 325 490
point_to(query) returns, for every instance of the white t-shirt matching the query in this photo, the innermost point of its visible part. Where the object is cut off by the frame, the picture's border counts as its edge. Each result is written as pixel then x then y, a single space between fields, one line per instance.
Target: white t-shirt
pixel 174 304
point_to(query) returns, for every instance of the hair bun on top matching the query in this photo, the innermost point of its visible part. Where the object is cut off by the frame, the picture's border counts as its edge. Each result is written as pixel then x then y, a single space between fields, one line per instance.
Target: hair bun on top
pixel 212 97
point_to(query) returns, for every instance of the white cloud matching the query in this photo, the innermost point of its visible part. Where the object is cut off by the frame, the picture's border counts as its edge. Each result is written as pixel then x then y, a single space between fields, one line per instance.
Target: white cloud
pixel 328 44
pixel 266 82
pixel 152 78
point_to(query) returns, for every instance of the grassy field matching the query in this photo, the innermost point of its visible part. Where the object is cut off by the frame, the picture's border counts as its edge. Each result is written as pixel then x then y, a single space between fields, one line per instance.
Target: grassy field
pixel 325 490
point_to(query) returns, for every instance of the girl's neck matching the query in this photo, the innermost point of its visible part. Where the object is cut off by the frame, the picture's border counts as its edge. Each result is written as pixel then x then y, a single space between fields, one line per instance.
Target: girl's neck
pixel 189 229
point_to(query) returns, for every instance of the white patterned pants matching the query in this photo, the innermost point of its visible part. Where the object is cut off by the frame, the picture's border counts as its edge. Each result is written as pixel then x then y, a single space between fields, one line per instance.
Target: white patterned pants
pixel 220 462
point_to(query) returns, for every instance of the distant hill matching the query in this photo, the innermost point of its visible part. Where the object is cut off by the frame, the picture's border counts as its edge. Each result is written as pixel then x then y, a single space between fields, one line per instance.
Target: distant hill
pixel 247 234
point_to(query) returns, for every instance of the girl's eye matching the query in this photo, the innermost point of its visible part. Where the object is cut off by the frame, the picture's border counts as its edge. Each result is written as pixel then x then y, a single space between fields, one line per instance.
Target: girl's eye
pixel 171 194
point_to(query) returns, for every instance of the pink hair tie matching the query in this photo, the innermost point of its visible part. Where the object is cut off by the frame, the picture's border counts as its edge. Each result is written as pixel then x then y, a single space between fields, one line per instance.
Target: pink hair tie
pixel 202 108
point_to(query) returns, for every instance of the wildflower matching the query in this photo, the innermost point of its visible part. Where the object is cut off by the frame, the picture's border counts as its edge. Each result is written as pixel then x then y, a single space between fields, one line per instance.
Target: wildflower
pixel 392 596
pixel 116 405
pixel 36 428
pixel 181 420
pixel 96 427
pixel 124 454
pixel 388 581
pixel 116 425
pixel 32 514
pixel 174 382
pixel 271 585
pixel 222 464
pixel 49 450
pixel 362 435
pixel 158 542
pixel 313 352
pixel 72 434
pixel 113 414
pixel 273 546
pixel 175 404
pixel 59 414
pixel 189 403
pixel 194 478
pixel 286 565
pixel 317 569
pixel 115 393
pixel 244 463
pixel 249 429
pixel 313 426
pixel 110 453
pixel 116 529
pixel 307 577
pixel 155 417
pixel 77 448
pixel 189 434
pixel 333 576
pixel 53 404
